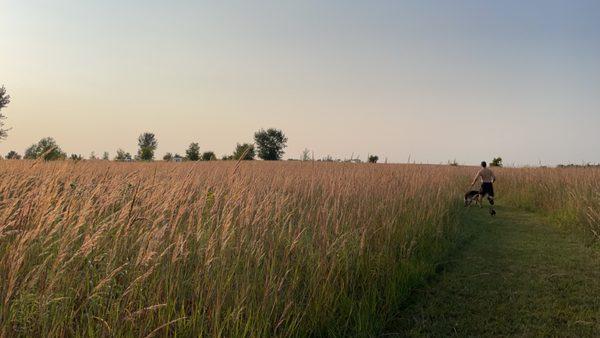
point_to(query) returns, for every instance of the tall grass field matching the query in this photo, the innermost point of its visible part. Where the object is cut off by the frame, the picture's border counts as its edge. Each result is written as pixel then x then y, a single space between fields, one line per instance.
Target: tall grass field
pixel 98 248
pixel 567 196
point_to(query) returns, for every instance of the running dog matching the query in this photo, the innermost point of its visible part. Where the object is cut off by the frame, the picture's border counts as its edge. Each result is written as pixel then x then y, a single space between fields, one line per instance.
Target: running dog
pixel 473 196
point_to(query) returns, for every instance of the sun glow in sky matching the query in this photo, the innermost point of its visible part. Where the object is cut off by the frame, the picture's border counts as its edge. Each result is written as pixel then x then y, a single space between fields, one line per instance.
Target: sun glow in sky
pixel 434 80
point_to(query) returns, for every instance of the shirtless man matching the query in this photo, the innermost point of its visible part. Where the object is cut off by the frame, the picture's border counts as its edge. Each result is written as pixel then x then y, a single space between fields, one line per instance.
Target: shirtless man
pixel 487 178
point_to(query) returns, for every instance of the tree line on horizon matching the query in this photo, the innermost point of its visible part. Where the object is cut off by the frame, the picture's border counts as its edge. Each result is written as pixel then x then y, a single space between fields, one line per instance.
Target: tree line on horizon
pixel 268 145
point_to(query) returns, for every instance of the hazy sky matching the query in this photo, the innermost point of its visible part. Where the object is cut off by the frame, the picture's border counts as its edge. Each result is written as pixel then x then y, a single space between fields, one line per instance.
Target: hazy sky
pixel 436 80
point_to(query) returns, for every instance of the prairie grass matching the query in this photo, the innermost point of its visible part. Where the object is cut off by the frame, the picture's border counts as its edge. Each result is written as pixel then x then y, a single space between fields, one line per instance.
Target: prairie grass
pixel 568 196
pixel 217 249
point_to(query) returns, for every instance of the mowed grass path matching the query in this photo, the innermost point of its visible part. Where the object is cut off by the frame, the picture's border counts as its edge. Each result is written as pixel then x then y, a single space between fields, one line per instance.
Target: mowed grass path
pixel 517 276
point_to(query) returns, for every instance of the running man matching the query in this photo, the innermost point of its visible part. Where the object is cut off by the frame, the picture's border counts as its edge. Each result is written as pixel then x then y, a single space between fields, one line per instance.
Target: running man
pixel 487 177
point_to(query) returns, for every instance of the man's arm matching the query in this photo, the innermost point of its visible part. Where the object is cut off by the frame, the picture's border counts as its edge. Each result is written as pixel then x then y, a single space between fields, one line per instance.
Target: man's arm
pixel 476 177
pixel 493 177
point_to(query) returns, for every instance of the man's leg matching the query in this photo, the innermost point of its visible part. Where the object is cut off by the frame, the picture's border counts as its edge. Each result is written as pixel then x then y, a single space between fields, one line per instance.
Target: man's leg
pixel 491 200
pixel 489 190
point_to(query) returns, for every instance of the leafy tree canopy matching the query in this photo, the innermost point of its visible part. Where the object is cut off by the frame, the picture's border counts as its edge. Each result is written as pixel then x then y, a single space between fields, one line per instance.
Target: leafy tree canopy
pixel 193 152
pixel 147 143
pixel 4 101
pixel 13 155
pixel 270 143
pixel 209 156
pixel 46 148
pixel 122 155
pixel 305 155
pixel 244 152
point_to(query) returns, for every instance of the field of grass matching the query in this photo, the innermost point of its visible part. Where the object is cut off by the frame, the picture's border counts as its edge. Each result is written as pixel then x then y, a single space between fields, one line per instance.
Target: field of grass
pixel 569 197
pixel 532 271
pixel 218 249
pixel 516 276
pixel 251 249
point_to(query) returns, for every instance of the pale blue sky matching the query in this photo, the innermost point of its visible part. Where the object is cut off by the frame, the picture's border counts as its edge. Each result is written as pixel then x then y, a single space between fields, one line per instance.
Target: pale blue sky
pixel 436 80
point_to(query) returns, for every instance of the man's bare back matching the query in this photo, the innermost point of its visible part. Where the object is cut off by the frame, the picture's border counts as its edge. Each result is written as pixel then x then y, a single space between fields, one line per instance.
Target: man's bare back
pixel 487 177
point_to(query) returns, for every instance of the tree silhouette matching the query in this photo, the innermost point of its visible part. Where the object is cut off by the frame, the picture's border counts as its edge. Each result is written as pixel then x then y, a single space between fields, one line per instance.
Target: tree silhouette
pixel 270 143
pixel 13 155
pixel 4 101
pixel 305 155
pixel 46 148
pixel 168 157
pixel 244 152
pixel 373 158
pixel 148 144
pixel 193 152
pixel 122 155
pixel 209 156
pixel 496 162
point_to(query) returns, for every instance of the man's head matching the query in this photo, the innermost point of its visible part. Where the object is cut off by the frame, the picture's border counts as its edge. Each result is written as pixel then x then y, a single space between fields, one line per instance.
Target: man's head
pixel 484 164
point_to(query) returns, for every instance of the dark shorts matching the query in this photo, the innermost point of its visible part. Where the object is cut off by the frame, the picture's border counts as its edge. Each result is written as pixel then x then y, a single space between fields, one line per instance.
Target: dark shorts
pixel 487 189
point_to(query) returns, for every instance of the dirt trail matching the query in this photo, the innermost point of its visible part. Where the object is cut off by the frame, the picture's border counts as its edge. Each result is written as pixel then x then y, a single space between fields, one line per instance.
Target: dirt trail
pixel 517 276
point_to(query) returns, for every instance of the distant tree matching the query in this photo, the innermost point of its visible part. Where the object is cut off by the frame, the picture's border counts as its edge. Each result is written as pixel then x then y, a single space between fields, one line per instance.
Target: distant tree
pixel 177 158
pixel 168 157
pixel 122 156
pixel 327 158
pixel 93 156
pixel 76 157
pixel 31 152
pixel 227 157
pixel 270 143
pixel 193 152
pixel 106 156
pixel 305 155
pixel 244 152
pixel 148 144
pixel 496 162
pixel 373 158
pixel 46 148
pixel 209 156
pixel 4 101
pixel 453 163
pixel 13 155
